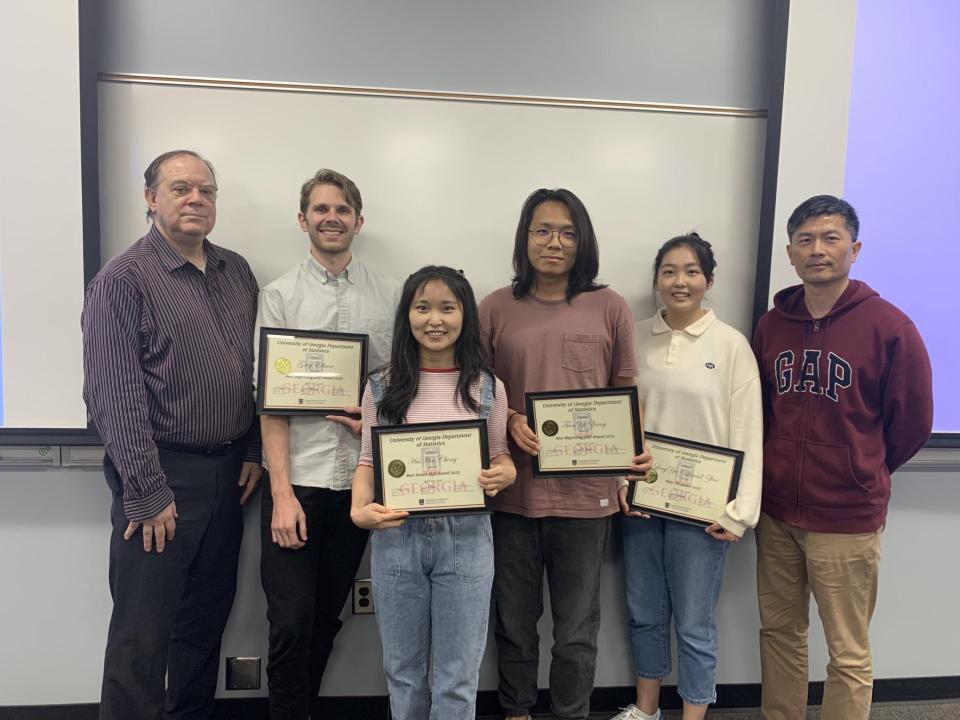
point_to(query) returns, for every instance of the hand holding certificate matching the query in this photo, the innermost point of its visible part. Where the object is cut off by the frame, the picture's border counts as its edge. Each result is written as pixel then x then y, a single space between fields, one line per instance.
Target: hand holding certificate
pixel 523 436
pixel 305 372
pixel 690 481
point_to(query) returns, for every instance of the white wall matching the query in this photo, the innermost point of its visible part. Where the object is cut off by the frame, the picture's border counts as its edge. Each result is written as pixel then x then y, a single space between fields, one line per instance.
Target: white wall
pixel 443 180
pixel 54 534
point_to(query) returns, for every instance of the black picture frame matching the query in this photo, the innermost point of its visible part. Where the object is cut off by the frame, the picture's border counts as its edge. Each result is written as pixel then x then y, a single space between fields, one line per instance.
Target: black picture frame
pixel 657 442
pixel 633 443
pixel 419 504
pixel 302 405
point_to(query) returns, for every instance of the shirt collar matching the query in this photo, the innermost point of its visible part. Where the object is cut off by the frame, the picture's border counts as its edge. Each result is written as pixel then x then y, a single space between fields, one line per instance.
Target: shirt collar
pixel 172 260
pixel 349 273
pixel 695 329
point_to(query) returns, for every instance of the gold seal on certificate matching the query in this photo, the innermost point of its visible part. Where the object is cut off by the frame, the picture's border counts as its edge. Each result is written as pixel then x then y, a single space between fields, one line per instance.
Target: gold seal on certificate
pixel 585 432
pixel 690 481
pixel 307 372
pixel 431 468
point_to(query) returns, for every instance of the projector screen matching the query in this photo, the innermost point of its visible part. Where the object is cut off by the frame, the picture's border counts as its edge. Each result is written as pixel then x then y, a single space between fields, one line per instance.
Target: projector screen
pixel 41 217
pixel 870 100
pixel 903 155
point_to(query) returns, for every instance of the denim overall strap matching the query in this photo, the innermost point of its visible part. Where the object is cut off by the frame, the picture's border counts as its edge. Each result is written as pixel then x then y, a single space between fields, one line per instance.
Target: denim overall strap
pixel 377 385
pixel 487 385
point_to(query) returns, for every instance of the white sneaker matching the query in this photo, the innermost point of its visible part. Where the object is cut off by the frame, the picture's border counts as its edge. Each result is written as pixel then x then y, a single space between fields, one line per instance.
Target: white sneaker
pixel 632 712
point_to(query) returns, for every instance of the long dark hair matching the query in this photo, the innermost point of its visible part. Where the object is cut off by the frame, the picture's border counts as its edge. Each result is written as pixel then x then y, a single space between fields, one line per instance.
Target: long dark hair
pixel 587 263
pixel 404 369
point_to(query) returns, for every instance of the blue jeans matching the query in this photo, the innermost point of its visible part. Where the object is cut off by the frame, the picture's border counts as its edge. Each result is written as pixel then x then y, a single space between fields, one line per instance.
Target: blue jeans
pixel 673 568
pixel 431 590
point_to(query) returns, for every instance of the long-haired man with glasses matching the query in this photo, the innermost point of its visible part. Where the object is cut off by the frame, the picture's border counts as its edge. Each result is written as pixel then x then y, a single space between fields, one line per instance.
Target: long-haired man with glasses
pixel 554 328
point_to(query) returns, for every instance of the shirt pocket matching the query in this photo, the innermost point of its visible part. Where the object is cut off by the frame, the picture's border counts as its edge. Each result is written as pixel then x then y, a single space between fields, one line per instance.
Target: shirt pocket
pixel 580 352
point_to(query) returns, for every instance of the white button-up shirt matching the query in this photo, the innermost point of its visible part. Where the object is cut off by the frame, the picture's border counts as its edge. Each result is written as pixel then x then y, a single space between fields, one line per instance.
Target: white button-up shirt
pixel 358 300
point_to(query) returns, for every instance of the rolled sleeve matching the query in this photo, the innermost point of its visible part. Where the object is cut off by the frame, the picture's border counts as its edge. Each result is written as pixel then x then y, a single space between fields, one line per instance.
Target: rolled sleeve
pixel 624 359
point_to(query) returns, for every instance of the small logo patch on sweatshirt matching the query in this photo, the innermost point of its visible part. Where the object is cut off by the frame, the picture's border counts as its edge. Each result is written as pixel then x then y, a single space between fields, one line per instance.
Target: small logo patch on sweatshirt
pixel 709 366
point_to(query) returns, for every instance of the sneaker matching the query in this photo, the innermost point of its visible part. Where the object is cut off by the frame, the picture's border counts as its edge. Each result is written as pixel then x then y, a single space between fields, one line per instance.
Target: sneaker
pixel 632 712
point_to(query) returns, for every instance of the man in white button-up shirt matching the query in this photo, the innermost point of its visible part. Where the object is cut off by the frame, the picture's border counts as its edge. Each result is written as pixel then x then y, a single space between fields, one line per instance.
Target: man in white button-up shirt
pixel 310 548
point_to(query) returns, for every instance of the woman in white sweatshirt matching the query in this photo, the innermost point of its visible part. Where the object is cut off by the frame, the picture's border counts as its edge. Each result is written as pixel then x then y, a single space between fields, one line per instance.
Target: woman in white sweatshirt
pixel 698 381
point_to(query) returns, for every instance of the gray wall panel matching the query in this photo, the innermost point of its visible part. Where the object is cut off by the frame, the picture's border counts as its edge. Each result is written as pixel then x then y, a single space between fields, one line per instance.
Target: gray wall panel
pixel 684 51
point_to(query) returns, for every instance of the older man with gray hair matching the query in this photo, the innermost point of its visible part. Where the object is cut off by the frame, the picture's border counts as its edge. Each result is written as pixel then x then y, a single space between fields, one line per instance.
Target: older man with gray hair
pixel 168 361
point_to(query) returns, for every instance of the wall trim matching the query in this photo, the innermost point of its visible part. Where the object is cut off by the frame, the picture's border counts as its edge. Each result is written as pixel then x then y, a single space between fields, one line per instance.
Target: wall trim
pixel 939 454
pixel 314 88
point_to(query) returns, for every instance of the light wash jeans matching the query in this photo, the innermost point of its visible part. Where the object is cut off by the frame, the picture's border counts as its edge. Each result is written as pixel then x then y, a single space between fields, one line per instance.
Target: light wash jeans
pixel 431 588
pixel 672 568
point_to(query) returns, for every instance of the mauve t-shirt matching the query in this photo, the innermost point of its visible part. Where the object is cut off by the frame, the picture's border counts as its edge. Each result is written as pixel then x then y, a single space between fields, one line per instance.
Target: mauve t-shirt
pixel 539 345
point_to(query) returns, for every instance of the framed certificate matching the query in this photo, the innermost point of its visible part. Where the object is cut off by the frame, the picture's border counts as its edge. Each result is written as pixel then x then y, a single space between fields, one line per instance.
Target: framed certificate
pixel 690 481
pixel 585 432
pixel 309 372
pixel 431 468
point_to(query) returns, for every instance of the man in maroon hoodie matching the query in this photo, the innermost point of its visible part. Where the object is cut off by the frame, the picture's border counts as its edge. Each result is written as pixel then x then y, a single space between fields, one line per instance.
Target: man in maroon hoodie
pixel 847 400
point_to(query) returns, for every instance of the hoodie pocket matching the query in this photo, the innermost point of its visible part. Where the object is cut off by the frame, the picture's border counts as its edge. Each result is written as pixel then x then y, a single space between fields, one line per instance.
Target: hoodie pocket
pixel 828 478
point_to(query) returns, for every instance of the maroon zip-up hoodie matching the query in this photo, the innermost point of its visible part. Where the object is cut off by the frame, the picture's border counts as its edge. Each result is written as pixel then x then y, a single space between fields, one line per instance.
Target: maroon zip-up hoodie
pixel 847 399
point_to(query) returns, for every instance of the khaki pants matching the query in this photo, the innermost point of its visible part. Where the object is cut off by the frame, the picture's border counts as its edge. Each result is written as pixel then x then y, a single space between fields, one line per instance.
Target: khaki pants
pixel 841 570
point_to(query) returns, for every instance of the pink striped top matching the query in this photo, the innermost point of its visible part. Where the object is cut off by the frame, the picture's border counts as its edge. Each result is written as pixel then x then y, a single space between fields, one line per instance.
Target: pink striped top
pixel 437 402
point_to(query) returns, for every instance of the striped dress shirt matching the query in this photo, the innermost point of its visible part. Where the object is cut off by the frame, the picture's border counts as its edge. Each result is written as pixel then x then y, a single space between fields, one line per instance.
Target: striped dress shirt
pixel 167 358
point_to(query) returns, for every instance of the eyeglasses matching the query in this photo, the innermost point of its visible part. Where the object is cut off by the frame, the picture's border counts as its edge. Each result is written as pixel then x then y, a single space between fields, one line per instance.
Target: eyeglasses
pixel 542 236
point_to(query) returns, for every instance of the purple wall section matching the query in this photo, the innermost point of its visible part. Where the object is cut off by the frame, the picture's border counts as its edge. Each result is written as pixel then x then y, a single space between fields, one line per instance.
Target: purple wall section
pixel 903 173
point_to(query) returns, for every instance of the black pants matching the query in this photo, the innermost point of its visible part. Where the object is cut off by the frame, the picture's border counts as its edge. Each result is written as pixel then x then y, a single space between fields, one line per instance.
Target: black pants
pixel 306 590
pixel 570 550
pixel 170 609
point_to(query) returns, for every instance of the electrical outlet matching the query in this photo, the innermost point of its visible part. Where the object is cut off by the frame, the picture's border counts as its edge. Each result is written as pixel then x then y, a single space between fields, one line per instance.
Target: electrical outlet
pixel 242 673
pixel 362 597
